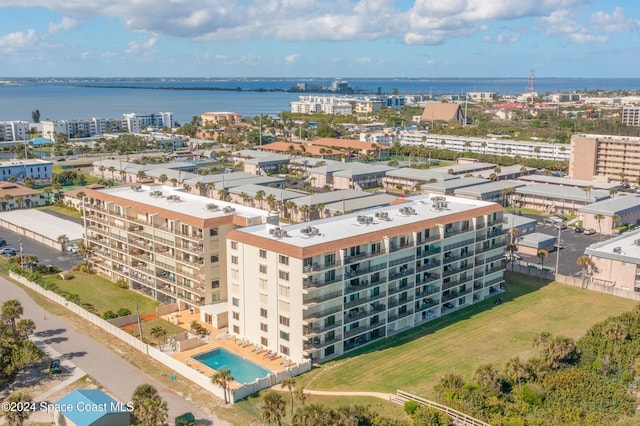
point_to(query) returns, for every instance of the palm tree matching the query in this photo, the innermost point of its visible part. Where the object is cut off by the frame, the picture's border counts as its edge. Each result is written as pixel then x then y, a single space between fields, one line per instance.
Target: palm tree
pixel 174 181
pixel 320 209
pixel 289 383
pixel 47 192
pixel 141 175
pixel 187 187
pixel 200 187
pixel 300 396
pixel 542 254
pixel 314 414
pixel 148 407
pixel 613 192
pixel 22 402
pixel 62 240
pixel 11 311
pixel 585 262
pixel 272 202
pixel 587 189
pixel 493 177
pixel 159 333
pixel 273 407
pixel 210 187
pixel 598 217
pixel 20 201
pixel 505 192
pixel 85 251
pixel 25 327
pixel 112 169
pixel 614 219
pixel 163 178
pixel 259 197
pixel 223 378
pixel 305 209
pixel 31 259
pixel 512 248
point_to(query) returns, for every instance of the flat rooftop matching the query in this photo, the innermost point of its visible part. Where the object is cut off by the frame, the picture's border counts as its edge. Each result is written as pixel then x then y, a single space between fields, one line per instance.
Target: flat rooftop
pixel 347 226
pixel 570 193
pixel 625 248
pixel 42 223
pixel 579 183
pixel 158 196
pixel 617 205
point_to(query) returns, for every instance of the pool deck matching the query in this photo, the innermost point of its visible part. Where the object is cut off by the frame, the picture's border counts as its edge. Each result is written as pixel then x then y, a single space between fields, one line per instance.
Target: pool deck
pixel 220 339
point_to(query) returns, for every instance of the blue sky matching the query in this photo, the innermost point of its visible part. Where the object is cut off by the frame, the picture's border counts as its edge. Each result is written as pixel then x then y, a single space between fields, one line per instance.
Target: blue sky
pixel 313 38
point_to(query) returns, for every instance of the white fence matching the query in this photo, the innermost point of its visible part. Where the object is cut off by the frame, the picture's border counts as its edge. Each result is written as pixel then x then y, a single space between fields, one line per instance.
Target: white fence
pixel 459 418
pixel 182 369
pixel 602 288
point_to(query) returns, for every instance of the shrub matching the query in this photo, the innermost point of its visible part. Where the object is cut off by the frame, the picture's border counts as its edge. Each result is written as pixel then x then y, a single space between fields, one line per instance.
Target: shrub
pixel 532 394
pixel 109 315
pixel 122 284
pixel 410 407
pixel 123 312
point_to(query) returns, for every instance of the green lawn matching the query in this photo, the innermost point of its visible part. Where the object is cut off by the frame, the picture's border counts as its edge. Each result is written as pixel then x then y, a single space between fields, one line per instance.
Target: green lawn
pixel 157 322
pixel 61 210
pixel 460 342
pixel 103 294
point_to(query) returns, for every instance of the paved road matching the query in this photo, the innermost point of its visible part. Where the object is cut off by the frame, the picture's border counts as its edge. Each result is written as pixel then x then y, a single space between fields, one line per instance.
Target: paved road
pixel 105 366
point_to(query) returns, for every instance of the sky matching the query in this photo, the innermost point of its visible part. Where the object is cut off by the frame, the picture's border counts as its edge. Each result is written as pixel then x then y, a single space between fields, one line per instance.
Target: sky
pixel 319 38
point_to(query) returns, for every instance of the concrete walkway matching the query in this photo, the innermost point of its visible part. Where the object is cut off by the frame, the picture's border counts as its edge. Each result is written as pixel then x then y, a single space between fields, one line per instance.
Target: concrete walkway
pixel 381 395
pixel 114 373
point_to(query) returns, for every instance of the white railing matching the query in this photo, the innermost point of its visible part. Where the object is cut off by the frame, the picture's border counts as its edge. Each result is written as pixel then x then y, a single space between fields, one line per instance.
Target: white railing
pixel 459 418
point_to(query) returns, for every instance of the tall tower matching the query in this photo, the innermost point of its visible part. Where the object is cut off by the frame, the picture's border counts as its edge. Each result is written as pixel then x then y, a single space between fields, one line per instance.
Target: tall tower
pixel 530 85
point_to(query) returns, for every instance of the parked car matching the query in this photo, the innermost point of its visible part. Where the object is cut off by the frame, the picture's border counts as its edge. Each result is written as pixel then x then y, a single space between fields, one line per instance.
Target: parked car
pixel 561 226
pixel 516 212
pixel 8 251
pixel 3 242
pixel 578 230
pixel 589 231
pixel 550 220
pixel 560 216
pixel 72 248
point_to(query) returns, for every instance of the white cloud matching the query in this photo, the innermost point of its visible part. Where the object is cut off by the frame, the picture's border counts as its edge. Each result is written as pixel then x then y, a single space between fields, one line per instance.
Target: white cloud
pixel 65 24
pixel 291 59
pixel 18 41
pixel 425 22
pixel 135 48
pixel 363 60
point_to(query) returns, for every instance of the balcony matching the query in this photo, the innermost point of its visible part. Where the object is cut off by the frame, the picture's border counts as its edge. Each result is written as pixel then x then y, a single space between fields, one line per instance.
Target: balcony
pixel 398 302
pixel 400 274
pixel 397 247
pixel 355 316
pixel 321 298
pixel 316 343
pixel 349 288
pixel 428 279
pixel 309 316
pixel 320 327
pixel 349 273
pixel 362 256
pixel 427 292
pixel 402 260
pixel 362 300
pixel 459 244
pixel 355 331
pixel 316 267
pixel 394 290
pixel 398 316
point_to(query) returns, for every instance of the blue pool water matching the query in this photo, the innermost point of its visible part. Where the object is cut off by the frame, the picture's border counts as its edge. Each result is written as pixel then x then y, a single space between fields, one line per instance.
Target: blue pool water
pixel 242 370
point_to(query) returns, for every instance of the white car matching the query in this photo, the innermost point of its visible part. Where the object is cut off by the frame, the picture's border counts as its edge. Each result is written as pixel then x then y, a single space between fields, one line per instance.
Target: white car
pixel 73 248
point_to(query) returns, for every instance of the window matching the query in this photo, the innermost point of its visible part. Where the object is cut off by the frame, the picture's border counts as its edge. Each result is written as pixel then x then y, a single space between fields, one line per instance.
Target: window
pixel 284 260
pixel 329 350
pixel 236 329
pixel 263 283
pixel 213 232
pixel 234 260
pixel 236 316
pixel 263 269
pixel 284 335
pixel 264 327
pixel 234 245
pixel 284 350
pixel 284 291
pixel 264 341
pixel 263 312
pixel 235 301
pixel 263 254
pixel 215 284
pixel 215 297
pixel 214 258
pixel 284 320
pixel 283 275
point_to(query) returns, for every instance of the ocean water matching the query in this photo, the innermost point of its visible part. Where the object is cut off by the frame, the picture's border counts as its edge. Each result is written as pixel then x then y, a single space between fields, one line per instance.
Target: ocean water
pixel 85 98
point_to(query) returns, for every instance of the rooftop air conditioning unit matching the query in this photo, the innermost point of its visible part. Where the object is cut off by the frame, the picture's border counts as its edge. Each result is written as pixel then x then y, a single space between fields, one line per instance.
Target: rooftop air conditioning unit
pixel 637 242
pixel 617 249
pixel 315 231
pixel 377 214
pixel 362 219
pixel 211 207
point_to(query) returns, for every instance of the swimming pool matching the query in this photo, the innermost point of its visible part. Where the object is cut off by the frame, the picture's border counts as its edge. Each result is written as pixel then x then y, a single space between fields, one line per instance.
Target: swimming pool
pixel 242 370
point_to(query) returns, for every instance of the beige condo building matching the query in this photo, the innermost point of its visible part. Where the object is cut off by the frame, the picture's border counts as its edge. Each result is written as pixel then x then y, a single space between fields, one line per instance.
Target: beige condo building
pixel 166 243
pixel 319 289
pixel 603 158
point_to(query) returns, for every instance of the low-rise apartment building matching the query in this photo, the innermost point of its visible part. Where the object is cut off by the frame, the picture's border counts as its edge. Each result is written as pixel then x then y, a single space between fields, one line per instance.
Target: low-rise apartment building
pixel 13 196
pixel 605 215
pixel 21 169
pixel 319 289
pixel 616 262
pixel 14 131
pixel 163 242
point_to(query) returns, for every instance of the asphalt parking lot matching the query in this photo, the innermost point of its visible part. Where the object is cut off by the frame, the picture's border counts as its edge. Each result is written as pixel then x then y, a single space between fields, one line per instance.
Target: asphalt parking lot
pixel 47 255
pixel 573 245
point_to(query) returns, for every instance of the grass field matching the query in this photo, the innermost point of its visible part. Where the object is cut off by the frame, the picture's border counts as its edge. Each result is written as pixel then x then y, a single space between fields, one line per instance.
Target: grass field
pixel 62 210
pixel 103 294
pixel 460 342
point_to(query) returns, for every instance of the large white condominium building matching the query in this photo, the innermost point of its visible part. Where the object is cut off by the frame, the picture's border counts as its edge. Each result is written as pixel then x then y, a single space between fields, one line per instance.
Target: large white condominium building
pixel 164 242
pixel 319 289
pixel 14 131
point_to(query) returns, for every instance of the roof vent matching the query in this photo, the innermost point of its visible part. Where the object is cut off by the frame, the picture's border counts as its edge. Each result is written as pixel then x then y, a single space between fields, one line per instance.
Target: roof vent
pixel 229 209
pixel 617 249
pixel 211 207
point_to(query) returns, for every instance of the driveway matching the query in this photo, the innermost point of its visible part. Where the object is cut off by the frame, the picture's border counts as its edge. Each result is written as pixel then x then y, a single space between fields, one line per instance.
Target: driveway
pixel 47 255
pixel 105 366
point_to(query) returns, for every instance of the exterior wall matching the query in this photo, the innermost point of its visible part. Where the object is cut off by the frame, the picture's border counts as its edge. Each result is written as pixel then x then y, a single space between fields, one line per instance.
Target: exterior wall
pixel 225 118
pixel 611 271
pixel 39 170
pixel 351 294
pixel 606 225
pixel 604 158
pixel 533 251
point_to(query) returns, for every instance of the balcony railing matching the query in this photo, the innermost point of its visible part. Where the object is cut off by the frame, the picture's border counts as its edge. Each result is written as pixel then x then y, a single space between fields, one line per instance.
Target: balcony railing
pixel 398 316
pixel 316 267
pixel 363 256
pixel 321 298
pixel 317 344
pixel 398 302
pixel 313 315
pixel 362 300
pixel 320 327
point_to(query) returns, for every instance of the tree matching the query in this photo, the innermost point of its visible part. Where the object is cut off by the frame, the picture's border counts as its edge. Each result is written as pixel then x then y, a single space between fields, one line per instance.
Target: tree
pixel 85 251
pixel 426 416
pixel 11 311
pixel 289 383
pixel 587 190
pixel 542 254
pixel 148 407
pixel 272 407
pixel 223 378
pixel 159 333
pixel 305 209
pixel 25 327
pixel 506 192
pixel 62 240
pixel 22 402
pixel 614 219
pixel 585 262
pixel 259 197
pixel 301 396
pixel 163 178
pixel 598 217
